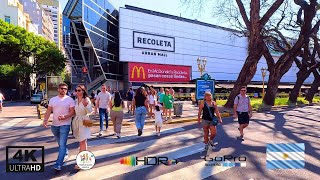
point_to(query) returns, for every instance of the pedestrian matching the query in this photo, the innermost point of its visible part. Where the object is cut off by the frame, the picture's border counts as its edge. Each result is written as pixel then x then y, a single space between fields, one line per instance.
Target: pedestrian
pixel 1 101
pixel 93 98
pixel 83 109
pixel 209 110
pixel 130 95
pixel 140 105
pixel 116 113
pixel 160 98
pixel 98 91
pixel 168 104
pixel 62 107
pixel 152 101
pixel 242 110
pixel 158 118
pixel 109 89
pixel 102 103
pixel 171 91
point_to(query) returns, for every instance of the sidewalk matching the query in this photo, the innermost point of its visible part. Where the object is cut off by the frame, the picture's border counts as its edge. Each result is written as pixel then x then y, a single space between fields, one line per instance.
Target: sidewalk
pixel 189 114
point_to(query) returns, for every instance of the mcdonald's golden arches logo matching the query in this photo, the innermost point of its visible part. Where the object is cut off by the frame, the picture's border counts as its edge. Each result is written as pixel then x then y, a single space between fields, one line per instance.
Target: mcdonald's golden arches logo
pixel 138 72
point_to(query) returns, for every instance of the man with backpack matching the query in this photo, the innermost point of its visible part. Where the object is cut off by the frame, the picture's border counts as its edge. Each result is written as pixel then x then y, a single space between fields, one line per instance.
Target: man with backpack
pixel 130 95
pixel 242 110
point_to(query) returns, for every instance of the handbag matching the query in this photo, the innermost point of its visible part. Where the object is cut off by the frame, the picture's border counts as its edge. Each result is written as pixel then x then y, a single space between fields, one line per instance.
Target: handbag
pixel 87 122
pixel 214 119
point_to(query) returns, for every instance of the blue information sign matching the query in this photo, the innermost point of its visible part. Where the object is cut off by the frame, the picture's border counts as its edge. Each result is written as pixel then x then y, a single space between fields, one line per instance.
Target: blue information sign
pixel 203 86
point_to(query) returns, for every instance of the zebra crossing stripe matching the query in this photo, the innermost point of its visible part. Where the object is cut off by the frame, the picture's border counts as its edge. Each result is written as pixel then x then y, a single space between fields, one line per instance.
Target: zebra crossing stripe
pixel 11 123
pixel 34 124
pixel 196 171
pixel 117 169
pixel 130 137
pixel 136 147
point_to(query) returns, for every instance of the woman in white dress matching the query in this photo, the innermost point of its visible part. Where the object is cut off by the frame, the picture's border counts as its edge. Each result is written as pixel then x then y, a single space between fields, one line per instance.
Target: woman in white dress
pixel 83 109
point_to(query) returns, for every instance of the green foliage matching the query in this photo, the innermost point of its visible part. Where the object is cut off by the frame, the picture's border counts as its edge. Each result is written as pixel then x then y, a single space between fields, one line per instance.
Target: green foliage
pixel 17 46
pixel 7 70
pixel 257 103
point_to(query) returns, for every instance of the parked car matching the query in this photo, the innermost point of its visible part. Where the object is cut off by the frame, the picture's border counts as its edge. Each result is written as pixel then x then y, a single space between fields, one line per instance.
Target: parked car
pixel 36 99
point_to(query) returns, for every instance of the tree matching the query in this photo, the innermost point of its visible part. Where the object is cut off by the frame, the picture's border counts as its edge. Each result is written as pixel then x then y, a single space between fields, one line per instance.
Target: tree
pixel 278 68
pixel 252 25
pixel 306 66
pixel 314 87
pixel 28 53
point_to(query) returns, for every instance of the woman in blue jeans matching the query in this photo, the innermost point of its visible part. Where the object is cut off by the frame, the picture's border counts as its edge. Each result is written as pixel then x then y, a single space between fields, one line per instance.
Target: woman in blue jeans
pixel 140 105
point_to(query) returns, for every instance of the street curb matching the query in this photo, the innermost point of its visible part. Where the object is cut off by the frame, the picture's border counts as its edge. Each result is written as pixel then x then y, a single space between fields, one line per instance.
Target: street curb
pixel 174 121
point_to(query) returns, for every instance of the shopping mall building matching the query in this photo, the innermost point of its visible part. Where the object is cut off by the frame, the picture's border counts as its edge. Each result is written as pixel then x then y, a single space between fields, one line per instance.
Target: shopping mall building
pixel 129 46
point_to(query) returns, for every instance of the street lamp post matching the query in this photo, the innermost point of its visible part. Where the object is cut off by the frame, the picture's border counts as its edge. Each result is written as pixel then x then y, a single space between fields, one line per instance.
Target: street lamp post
pixel 201 65
pixel 263 73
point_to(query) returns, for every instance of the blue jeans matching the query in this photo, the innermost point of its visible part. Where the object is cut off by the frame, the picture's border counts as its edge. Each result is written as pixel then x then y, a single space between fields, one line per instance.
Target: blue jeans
pixel 103 115
pixel 61 135
pixel 140 114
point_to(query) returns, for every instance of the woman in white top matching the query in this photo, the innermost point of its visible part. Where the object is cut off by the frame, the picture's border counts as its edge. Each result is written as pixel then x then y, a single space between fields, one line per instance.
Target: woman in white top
pixel 83 109
pixel 152 101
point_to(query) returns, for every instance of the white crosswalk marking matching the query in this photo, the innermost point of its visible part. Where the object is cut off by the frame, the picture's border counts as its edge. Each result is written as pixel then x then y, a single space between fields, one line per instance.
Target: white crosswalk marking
pixel 129 137
pixel 136 146
pixel 188 172
pixel 34 124
pixel 11 123
pixel 116 169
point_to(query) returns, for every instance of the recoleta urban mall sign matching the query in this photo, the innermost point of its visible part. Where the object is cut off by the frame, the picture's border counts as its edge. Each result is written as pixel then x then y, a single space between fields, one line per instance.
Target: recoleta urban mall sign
pixel 153 41
pixel 144 72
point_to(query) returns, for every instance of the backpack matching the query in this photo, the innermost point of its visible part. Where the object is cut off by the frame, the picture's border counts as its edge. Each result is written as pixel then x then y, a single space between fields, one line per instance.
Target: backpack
pixel 239 99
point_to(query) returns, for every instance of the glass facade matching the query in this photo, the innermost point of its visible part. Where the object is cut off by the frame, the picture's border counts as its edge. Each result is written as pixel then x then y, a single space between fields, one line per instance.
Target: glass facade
pixel 93 42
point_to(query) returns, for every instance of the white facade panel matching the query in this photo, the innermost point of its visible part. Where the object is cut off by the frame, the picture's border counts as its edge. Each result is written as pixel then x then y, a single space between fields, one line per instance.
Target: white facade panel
pixel 224 51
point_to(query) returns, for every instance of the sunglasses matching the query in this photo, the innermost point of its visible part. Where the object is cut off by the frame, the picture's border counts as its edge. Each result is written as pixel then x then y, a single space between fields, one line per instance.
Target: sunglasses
pixel 243 90
pixel 64 88
pixel 78 90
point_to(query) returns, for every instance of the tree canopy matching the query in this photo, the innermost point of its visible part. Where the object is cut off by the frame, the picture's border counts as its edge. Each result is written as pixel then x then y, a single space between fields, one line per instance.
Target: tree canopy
pixel 26 53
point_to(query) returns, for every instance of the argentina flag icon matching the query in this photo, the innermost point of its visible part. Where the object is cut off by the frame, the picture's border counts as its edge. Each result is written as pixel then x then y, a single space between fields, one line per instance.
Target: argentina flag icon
pixel 285 156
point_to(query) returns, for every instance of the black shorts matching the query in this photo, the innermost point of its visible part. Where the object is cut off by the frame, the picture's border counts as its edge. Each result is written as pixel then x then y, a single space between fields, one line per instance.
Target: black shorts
pixel 243 118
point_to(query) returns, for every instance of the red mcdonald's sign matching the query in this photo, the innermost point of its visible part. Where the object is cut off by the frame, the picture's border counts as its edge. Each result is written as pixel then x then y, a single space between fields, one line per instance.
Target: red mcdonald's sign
pixel 145 72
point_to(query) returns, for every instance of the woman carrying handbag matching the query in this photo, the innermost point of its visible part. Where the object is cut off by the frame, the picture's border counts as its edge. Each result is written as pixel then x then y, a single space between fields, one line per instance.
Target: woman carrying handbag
pixel 82 121
pixel 208 108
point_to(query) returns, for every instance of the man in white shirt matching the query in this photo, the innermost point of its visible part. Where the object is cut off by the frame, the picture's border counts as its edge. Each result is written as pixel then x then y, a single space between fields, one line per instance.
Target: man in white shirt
pixel 62 107
pixel 102 102
pixel 242 110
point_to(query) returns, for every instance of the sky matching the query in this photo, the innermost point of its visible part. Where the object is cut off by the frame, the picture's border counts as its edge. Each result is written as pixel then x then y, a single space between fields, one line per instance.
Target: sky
pixel 172 7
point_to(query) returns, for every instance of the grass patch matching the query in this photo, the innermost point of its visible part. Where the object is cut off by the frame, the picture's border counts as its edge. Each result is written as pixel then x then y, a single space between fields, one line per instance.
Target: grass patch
pixel 257 103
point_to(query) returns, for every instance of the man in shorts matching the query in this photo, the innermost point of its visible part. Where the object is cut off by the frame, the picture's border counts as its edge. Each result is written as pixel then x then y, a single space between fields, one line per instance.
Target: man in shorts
pixel 242 110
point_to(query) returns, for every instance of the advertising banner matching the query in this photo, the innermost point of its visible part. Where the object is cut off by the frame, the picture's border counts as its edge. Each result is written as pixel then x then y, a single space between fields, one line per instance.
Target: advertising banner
pixel 153 41
pixel 143 72
pixel 203 86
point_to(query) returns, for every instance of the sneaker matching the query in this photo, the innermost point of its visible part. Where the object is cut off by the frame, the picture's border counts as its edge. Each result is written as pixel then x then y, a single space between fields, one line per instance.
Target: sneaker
pixel 66 157
pixel 100 134
pixel 170 118
pixel 57 168
pixel 114 134
pixel 240 138
pixel 211 143
pixel 206 147
pixel 139 132
pixel 158 133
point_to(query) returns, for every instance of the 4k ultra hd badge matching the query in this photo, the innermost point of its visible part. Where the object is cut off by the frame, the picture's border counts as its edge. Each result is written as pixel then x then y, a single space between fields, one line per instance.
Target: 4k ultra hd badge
pixel 25 159
pixel 85 160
